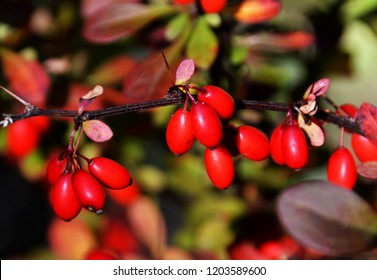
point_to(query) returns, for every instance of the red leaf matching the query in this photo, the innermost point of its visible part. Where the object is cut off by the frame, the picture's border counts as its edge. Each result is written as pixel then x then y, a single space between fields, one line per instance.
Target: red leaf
pixel 97 130
pixel 255 11
pixel 367 118
pixel 185 71
pixel 118 20
pixel 89 7
pixel 27 78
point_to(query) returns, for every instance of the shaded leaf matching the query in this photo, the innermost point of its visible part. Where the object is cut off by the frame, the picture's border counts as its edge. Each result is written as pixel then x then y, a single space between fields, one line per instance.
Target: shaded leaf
pixel 119 20
pixel 27 78
pixel 97 130
pixel 185 71
pixel 203 45
pixel 176 25
pixel 112 71
pixel 327 218
pixel 148 224
pixel 368 169
pixel 314 131
pixel 367 118
pixel 255 11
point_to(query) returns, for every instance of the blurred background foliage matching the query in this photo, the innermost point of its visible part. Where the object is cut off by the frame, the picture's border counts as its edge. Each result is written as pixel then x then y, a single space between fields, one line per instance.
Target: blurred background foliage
pixel 175 212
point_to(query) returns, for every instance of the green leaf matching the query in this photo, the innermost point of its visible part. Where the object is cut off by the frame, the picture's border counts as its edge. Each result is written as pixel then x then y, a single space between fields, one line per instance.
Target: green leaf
pixel 203 45
pixel 357 8
pixel 176 25
pixel 327 218
pixel 119 20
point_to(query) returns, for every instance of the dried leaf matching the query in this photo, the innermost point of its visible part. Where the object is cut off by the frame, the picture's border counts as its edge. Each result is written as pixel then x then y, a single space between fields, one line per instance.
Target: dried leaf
pixel 203 45
pixel 27 78
pixel 256 11
pixel 89 97
pixel 120 20
pixel 368 169
pixel 148 224
pixel 314 131
pixel 97 130
pixel 185 71
pixel 327 218
pixel 367 118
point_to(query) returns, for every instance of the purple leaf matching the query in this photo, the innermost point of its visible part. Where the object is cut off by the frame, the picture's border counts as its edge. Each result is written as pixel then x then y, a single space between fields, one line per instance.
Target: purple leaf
pixel 89 97
pixel 185 71
pixel 318 88
pixel 327 218
pixel 97 130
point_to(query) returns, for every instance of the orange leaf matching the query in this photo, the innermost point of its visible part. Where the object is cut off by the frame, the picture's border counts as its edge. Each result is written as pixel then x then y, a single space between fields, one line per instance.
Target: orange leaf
pixel 27 78
pixel 255 11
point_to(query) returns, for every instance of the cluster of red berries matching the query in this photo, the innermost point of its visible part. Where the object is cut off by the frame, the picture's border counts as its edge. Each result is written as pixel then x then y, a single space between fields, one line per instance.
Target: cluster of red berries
pixel 206 121
pixel 74 187
pixel 341 169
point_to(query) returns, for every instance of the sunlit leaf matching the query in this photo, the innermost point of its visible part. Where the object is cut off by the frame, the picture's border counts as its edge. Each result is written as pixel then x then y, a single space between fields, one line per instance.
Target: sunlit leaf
pixel 148 224
pixel 119 20
pixel 314 131
pixel 27 78
pixel 368 169
pixel 185 71
pixel 203 45
pixel 327 218
pixel 113 70
pixel 367 118
pixel 255 11
pixel 357 8
pixel 97 130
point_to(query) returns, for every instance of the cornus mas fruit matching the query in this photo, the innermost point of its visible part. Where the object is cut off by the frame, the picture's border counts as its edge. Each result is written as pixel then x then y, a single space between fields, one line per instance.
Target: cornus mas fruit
pixel 219 165
pixel 55 168
pixel 212 6
pixel 88 191
pixel 206 124
pixel 294 146
pixel 109 173
pixel 218 99
pixel 252 143
pixel 341 169
pixel 276 145
pixel 179 132
pixel 63 199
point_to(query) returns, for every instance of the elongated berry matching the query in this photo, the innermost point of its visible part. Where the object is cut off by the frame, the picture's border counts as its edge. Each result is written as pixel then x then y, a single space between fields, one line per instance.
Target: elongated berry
pixel 341 168
pixel 88 191
pixel 63 199
pixel 364 149
pixel 109 173
pixel 218 99
pixel 179 132
pixel 252 143
pixel 294 146
pixel 55 168
pixel 219 165
pixel 206 125
pixel 212 6
pixel 276 145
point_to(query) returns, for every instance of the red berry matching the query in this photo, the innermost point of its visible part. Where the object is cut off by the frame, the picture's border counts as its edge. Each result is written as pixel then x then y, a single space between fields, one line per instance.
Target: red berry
pixel 349 109
pixel 179 132
pixel 252 143
pixel 125 196
pixel 218 99
pixel 63 199
pixel 276 146
pixel 22 138
pixel 219 165
pixel 364 149
pixel 98 254
pixel 55 168
pixel 41 123
pixel 183 2
pixel 88 191
pixel 341 169
pixel 109 173
pixel 206 125
pixel 294 146
pixel 212 6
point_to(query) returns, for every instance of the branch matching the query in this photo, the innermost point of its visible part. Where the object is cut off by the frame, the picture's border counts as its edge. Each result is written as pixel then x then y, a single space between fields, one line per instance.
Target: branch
pixel 325 116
